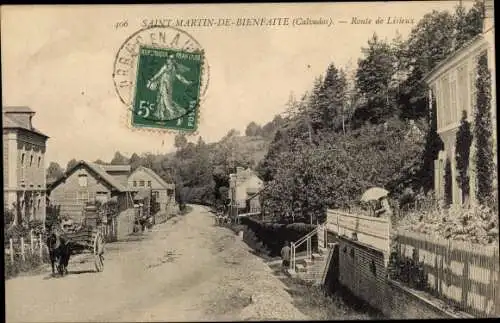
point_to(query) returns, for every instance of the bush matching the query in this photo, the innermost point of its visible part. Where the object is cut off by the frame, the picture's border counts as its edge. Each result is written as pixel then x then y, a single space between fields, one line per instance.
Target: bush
pixel 32 261
pixel 408 270
pixel 477 224
pixel 274 235
pixel 15 232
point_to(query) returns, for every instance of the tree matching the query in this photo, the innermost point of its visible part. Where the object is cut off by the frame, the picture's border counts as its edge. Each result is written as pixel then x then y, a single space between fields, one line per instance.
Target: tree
pixel 483 132
pixel 119 159
pixel 463 144
pixel 135 161
pixel 373 81
pixel 468 24
pixel 253 129
pixel 72 163
pixel 180 141
pixel 331 98
pixel 433 145
pixel 429 42
pixel 448 183
pixel 54 171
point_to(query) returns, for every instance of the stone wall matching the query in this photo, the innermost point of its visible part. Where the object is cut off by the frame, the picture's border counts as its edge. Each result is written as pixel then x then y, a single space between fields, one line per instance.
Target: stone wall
pixel 360 271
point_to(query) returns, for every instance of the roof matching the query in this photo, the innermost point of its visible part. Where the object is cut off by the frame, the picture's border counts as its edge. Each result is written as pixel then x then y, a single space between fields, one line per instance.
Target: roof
pixel 258 193
pixel 116 168
pixel 17 109
pixel 9 123
pixel 96 168
pixel 155 176
pixel 451 57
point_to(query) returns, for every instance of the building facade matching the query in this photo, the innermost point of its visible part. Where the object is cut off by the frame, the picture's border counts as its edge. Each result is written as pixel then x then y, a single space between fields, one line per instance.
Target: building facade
pixel 24 150
pixel 452 88
pixel 243 185
pixel 163 192
pixel 87 182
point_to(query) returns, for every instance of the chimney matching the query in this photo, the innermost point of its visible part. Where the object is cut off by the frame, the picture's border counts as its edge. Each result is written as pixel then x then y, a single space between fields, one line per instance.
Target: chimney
pixel 489 15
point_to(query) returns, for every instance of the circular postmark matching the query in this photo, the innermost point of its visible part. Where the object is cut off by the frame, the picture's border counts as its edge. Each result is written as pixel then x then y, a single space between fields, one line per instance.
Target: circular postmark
pixel 161 75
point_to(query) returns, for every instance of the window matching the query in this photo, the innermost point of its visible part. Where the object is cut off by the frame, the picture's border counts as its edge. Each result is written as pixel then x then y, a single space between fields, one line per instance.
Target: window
pixel 39 161
pixel 31 160
pixel 82 197
pixel 463 90
pixel 82 180
pixel 445 101
pixel 170 192
pixel 101 196
pixel 135 183
pixel 149 183
pixel 473 91
pixel 453 102
pixel 156 194
pixel 22 160
pixel 141 183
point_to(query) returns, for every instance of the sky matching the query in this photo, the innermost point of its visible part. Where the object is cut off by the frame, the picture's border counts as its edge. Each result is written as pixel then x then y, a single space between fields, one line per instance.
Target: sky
pixel 58 60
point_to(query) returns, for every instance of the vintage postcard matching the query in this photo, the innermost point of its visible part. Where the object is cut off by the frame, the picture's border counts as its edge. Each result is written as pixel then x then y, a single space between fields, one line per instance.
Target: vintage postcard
pixel 250 161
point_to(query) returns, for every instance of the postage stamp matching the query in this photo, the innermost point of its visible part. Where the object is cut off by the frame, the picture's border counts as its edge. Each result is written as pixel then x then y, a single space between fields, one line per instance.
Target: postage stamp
pixel 161 75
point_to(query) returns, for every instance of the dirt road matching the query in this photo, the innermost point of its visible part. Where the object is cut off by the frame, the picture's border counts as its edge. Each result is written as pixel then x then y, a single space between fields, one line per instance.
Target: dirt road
pixel 185 270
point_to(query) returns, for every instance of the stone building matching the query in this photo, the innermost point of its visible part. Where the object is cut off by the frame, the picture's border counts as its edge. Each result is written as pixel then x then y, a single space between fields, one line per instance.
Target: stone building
pixel 452 87
pixel 23 165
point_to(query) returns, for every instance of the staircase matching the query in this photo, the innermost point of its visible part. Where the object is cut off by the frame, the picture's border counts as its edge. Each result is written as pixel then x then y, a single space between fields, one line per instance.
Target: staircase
pixel 311 267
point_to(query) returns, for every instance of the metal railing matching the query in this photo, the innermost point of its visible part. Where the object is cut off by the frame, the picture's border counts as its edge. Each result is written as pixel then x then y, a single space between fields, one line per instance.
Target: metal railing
pixel 308 239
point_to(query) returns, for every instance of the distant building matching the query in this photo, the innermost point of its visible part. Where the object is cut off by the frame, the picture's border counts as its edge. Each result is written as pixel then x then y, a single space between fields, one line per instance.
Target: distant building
pixel 452 86
pixel 163 192
pixel 243 185
pixel 89 182
pixel 119 172
pixel 23 165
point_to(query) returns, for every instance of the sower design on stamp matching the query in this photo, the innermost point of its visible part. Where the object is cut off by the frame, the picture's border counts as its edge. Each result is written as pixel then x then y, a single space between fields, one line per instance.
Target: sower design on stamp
pixel 161 75
pixel 167 92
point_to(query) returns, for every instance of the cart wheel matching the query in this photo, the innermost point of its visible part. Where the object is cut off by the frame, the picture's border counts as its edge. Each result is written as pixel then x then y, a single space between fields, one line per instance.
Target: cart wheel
pixel 99 252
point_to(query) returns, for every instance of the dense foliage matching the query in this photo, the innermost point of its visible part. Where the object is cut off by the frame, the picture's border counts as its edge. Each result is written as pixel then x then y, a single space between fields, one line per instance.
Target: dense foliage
pixel 483 133
pixel 274 235
pixel 462 152
pixel 477 224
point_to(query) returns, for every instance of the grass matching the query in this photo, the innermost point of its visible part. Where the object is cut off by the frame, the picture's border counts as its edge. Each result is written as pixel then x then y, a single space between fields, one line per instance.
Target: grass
pixel 31 264
pixel 315 302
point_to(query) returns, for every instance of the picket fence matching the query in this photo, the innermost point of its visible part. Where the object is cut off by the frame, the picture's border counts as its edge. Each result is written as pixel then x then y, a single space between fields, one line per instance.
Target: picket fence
pixel 466 275
pixel 35 246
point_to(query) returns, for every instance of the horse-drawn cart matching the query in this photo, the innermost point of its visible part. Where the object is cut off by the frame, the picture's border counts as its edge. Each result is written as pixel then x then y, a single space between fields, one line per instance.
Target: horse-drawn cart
pixel 87 240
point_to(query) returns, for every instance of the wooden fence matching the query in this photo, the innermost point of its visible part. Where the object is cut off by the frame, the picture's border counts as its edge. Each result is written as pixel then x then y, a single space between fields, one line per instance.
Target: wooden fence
pixel 372 231
pixel 33 245
pixel 465 274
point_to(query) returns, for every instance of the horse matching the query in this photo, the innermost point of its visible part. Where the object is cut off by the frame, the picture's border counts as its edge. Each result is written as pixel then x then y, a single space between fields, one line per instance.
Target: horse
pixel 59 251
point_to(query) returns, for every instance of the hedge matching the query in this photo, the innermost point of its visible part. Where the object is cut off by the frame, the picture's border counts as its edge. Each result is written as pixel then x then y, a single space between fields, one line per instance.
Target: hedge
pixel 274 235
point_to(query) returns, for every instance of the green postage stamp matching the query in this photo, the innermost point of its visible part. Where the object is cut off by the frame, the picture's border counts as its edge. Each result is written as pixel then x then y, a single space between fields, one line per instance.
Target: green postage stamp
pixel 167 89
pixel 161 76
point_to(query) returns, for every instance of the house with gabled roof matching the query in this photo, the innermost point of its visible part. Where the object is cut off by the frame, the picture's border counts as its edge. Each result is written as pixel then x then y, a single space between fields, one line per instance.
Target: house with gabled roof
pixel 88 182
pixel 163 192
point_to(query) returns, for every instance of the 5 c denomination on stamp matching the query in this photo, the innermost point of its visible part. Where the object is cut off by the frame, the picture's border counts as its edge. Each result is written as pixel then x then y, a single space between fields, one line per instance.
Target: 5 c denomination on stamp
pixel 161 75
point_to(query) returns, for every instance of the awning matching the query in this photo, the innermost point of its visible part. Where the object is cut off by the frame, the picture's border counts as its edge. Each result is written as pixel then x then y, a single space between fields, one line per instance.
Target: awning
pixel 142 194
